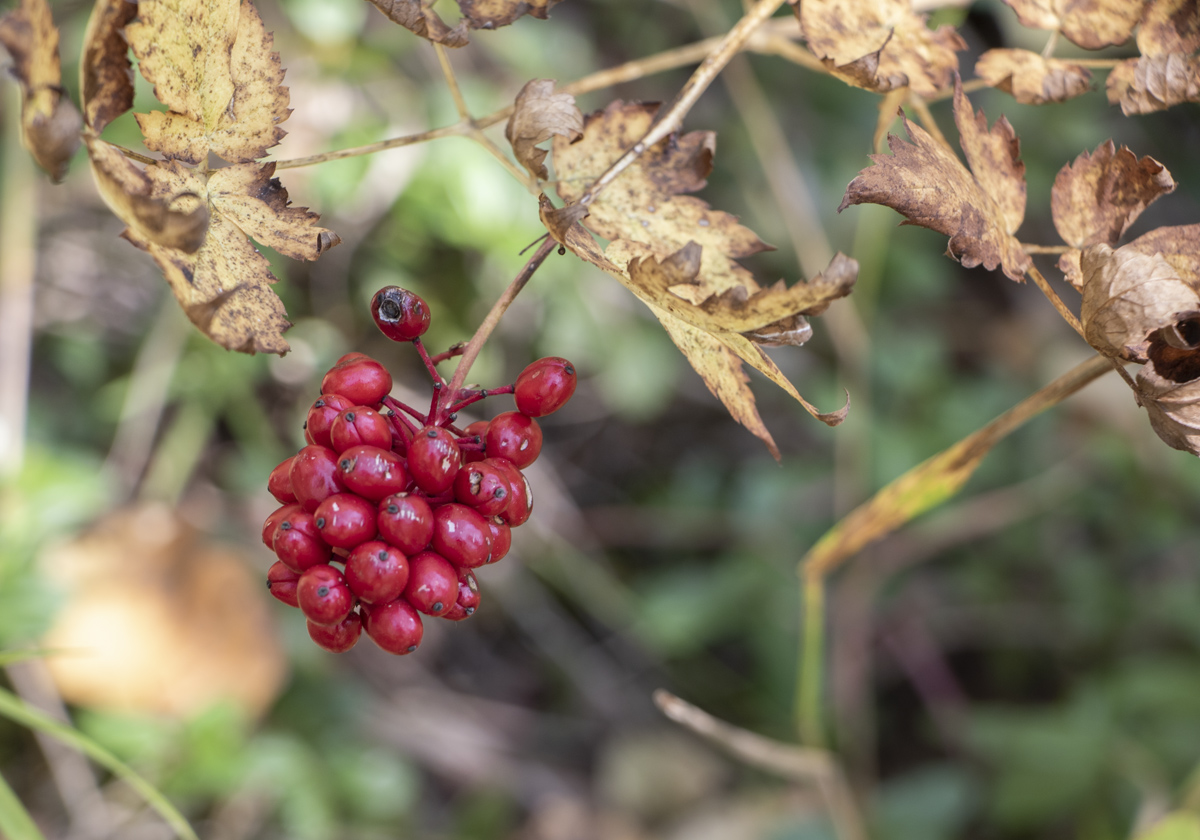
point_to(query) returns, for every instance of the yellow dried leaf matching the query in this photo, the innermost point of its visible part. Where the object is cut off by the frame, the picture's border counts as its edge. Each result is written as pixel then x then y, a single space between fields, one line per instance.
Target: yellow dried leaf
pixel 540 114
pixel 1030 78
pixel 106 74
pixel 1169 26
pixel 880 45
pixel 50 122
pixel 1091 24
pixel 1154 83
pixel 418 16
pixel 978 208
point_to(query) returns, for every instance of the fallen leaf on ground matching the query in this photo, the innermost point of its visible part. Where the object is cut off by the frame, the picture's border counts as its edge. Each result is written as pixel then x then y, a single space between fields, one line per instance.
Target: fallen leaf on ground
pixel 418 17
pixel 880 45
pixel 1030 78
pixel 978 208
pixel 1091 24
pixel 50 122
pixel 538 115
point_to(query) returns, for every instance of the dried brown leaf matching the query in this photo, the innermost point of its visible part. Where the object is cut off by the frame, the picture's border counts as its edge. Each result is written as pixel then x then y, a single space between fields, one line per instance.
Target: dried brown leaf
pixel 1169 26
pixel 1030 78
pixel 1154 83
pixel 881 45
pixel 1091 24
pixel 1099 196
pixel 418 16
pixel 489 14
pixel 105 70
pixel 979 209
pixel 1178 245
pixel 50 122
pixel 540 114
pixel 1173 401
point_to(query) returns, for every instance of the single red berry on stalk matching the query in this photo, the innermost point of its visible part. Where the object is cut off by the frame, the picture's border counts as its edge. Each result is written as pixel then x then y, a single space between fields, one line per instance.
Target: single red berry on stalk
pixel 362 380
pixel 461 535
pixel 337 638
pixel 434 459
pixel 514 436
pixel 297 542
pixel 321 416
pixel 432 583
pixel 401 315
pixel 272 522
pixel 376 572
pixel 323 595
pixel 360 425
pixel 544 386
pixel 373 473
pixel 483 487
pixel 281 582
pixel 501 537
pixel 346 520
pixel 405 521
pixel 279 483
pixel 315 476
pixel 395 627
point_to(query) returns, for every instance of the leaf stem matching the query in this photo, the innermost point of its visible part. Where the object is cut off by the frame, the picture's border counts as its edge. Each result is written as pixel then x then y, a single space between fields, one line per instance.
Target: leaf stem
pixel 921 106
pixel 482 393
pixel 1054 299
pixel 452 82
pixel 1030 248
pixel 455 350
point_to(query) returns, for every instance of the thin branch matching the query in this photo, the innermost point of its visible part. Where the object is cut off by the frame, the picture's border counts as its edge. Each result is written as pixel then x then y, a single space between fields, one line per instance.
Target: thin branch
pixel 1100 63
pixel 1030 248
pixel 968 87
pixel 1051 43
pixel 1054 299
pixel 132 155
pixel 452 82
pixel 456 130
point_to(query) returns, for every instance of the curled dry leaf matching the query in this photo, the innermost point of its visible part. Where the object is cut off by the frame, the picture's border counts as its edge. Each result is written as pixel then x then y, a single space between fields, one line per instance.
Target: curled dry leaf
pixel 1099 196
pixel 50 122
pixel 540 114
pixel 1091 24
pixel 418 17
pixel 1030 78
pixel 978 208
pixel 1154 83
pixel 1169 26
pixel 1169 388
pixel 1178 245
pixel 880 45
pixel 1128 296
pixel 213 65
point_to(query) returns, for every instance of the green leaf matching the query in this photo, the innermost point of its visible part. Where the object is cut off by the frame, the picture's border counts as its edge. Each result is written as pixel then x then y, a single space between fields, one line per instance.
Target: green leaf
pixel 15 822
pixel 1181 825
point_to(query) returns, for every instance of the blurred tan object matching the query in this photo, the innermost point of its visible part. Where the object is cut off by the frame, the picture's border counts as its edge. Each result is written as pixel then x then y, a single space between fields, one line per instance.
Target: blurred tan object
pixel 160 619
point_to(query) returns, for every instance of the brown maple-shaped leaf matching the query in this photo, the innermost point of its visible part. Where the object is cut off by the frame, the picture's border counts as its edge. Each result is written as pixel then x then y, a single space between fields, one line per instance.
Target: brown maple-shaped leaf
pixel 211 62
pixel 880 45
pixel 1091 24
pixel 418 17
pixel 1030 78
pixel 978 208
pixel 1099 196
pixel 540 114
pixel 679 255
pixel 50 122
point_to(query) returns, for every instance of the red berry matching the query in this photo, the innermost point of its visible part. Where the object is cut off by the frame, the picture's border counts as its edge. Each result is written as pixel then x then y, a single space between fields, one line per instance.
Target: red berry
pixel 315 476
pixel 358 426
pixel 323 595
pixel 298 543
pixel 395 627
pixel 373 473
pixel 281 581
pixel 346 520
pixel 272 522
pixel 434 459
pixel 376 572
pixel 483 487
pixel 321 417
pixel 405 521
pixel 520 501
pixel 461 535
pixel 363 381
pixel 337 638
pixel 545 386
pixel 514 436
pixel 501 538
pixel 279 483
pixel 432 583
pixel 468 597
pixel 400 314
pixel 349 357
pixel 476 432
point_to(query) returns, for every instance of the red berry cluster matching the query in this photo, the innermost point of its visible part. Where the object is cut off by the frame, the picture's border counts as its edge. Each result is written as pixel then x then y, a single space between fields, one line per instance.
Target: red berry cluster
pixel 406 503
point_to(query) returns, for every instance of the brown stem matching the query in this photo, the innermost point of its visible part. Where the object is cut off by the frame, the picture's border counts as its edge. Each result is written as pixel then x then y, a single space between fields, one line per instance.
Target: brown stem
pixel 1054 299
pixel 1030 248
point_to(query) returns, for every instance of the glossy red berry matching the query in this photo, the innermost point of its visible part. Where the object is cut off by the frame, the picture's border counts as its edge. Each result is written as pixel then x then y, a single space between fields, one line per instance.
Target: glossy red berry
pixel 279 483
pixel 315 476
pixel 468 597
pixel 321 417
pixel 362 380
pixel 281 581
pixel 461 535
pixel 544 386
pixel 272 522
pixel 346 520
pixel 477 430
pixel 298 544
pixel 434 459
pixel 520 501
pixel 395 627
pixel 359 426
pixel 501 537
pixel 405 521
pixel 323 595
pixel 337 638
pixel 376 572
pixel 400 314
pixel 432 583
pixel 514 436
pixel 483 487
pixel 373 473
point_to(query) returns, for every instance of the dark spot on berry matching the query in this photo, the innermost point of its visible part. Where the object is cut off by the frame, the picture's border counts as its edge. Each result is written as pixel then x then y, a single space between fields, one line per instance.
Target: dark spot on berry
pixel 393 508
pixel 285 525
pixel 411 648
pixel 453 417
pixel 349 415
pixel 437 607
pixel 569 369
pixel 321 522
pixel 304 425
pixel 383 555
pixel 268 584
pixel 469 610
pixel 432 433
pixel 345 464
pixel 389 310
pixel 319 404
pixel 322 590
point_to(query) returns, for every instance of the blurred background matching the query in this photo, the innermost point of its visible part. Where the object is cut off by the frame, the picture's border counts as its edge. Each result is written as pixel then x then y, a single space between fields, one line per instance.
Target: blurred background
pixel 1021 663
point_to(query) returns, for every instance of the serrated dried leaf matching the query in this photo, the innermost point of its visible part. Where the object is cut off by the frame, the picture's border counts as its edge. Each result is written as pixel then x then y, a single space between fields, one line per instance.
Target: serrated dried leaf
pixel 418 16
pixel 1154 83
pixel 1169 26
pixel 489 14
pixel 106 73
pixel 1128 296
pixel 1030 78
pixel 1099 196
pixel 50 122
pixel 1091 24
pixel 978 208
pixel 211 63
pixel 538 115
pixel 880 45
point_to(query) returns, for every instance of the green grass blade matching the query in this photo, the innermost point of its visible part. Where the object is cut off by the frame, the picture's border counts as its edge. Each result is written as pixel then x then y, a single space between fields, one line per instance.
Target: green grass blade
pixel 15 822
pixel 13 708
